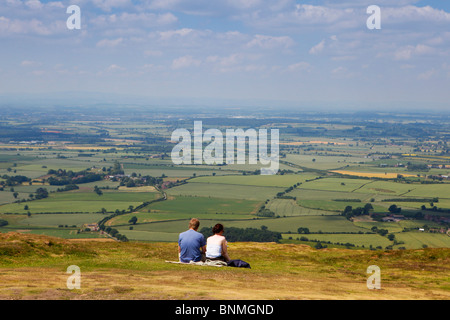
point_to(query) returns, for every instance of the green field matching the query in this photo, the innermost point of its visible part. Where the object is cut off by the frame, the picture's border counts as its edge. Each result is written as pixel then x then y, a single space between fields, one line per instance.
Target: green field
pixel 434 190
pixel 336 206
pixel 289 207
pixel 225 191
pixel 390 188
pixel 336 184
pixel 81 202
pixel 418 239
pixel 281 181
pixel 360 240
pixel 54 220
pixel 290 224
pixel 202 205
pixel 323 162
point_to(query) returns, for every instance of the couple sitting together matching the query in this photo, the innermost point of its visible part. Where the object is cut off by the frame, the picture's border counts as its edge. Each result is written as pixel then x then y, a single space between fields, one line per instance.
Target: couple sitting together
pixel 193 247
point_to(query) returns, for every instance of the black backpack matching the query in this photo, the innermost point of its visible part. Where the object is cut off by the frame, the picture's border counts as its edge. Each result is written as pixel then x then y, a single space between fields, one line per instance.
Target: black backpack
pixel 238 264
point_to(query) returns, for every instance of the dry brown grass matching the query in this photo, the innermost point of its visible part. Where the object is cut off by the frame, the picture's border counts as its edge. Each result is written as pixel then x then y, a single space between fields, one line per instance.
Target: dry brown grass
pixel 35 268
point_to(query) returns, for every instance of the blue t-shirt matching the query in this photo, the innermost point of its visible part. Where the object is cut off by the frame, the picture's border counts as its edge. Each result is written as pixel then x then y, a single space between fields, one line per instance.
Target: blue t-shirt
pixel 190 243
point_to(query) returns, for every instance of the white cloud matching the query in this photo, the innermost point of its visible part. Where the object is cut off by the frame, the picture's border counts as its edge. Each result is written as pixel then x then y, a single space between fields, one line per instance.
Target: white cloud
pixel 407 66
pixel 427 75
pixel 29 63
pixel 270 42
pixel 320 14
pixel 185 62
pixel 317 48
pixel 411 13
pixel 138 20
pixel 339 70
pixel 34 4
pixel 153 53
pixel 300 66
pixel 407 52
pixel 114 68
pixel 244 4
pixel 235 62
pixel 108 5
pixel 165 35
pixel 107 43
pixel 10 27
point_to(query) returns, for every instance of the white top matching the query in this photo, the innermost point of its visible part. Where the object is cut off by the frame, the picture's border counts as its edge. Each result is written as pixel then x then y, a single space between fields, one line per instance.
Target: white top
pixel 214 246
pixel 213 250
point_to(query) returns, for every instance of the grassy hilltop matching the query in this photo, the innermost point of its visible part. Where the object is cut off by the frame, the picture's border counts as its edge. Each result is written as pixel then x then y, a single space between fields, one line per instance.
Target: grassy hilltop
pixel 34 267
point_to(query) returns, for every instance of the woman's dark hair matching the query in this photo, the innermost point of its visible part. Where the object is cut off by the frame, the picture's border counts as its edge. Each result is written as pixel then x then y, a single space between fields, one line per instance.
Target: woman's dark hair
pixel 217 228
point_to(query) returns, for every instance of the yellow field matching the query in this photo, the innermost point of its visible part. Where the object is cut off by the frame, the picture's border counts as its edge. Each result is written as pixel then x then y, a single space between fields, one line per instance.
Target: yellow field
pixel 71 147
pixel 75 147
pixel 426 157
pixel 15 146
pixel 34 183
pixel 298 143
pixel 138 189
pixel 372 174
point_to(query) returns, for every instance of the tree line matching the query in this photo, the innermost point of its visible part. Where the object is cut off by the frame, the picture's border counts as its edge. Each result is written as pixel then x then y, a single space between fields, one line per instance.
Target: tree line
pixel 248 234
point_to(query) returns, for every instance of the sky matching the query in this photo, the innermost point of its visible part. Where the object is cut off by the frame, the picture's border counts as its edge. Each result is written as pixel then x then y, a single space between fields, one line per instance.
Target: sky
pixel 281 52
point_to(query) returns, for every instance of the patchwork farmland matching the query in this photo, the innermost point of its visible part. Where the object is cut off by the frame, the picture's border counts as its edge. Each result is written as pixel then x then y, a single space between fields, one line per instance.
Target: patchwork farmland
pixel 340 190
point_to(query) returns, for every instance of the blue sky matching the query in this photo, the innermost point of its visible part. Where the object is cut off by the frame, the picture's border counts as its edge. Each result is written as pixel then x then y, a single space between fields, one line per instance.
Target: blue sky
pixel 297 53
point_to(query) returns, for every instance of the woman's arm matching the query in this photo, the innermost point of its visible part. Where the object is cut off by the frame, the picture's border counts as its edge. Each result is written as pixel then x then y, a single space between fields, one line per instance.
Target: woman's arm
pixel 225 250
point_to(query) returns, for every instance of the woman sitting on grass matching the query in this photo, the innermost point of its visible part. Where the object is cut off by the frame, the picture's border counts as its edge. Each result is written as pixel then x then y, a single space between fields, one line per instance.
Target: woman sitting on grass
pixel 216 245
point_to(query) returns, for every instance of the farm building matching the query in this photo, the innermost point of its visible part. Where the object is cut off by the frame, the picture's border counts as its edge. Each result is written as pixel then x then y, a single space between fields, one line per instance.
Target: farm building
pixel 91 226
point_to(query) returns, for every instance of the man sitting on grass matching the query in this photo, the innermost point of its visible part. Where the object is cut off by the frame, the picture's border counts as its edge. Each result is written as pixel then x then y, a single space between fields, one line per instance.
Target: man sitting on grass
pixel 192 244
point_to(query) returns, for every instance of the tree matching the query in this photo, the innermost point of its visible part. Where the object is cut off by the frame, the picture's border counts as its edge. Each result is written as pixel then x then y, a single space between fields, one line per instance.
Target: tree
pixel 391 237
pixel 394 209
pixel 98 191
pixel 133 220
pixel 113 232
pixel 348 209
pixel 319 245
pixel 26 207
pixel 41 193
pixel 15 194
pixel 303 230
pixel 367 208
